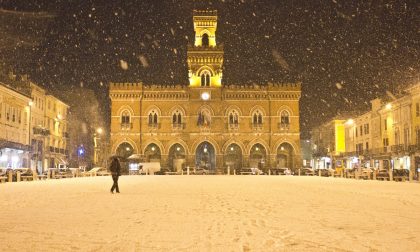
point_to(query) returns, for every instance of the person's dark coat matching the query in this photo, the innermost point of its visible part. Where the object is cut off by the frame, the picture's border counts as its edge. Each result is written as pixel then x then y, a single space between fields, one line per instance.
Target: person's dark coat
pixel 115 167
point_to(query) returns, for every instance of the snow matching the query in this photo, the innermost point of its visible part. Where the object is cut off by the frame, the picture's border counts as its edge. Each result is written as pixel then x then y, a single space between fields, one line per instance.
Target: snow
pixel 210 213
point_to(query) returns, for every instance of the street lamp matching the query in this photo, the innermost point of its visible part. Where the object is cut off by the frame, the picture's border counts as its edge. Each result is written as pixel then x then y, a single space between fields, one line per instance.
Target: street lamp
pixel 96 146
pixel 30 104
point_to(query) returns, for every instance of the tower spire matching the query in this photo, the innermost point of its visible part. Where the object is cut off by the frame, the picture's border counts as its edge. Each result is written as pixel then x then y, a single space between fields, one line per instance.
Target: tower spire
pixel 205 58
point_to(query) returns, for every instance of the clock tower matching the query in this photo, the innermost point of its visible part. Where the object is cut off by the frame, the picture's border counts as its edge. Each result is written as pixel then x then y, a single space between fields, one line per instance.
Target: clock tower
pixel 205 57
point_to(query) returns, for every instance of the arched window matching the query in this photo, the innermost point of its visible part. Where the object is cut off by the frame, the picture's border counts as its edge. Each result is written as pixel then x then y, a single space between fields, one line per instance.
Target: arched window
pixel 284 118
pixel 205 79
pixel 205 40
pixel 153 119
pixel 257 119
pixel 177 119
pixel 125 117
pixel 233 120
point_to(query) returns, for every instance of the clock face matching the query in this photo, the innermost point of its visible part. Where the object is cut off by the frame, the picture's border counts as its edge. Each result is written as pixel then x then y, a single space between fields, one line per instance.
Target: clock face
pixel 205 96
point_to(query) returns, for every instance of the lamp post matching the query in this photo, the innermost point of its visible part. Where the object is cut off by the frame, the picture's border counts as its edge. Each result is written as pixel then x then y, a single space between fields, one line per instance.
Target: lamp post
pixel 96 145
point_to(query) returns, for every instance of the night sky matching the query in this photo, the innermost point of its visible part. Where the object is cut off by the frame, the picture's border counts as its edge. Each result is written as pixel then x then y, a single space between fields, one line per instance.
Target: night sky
pixel 344 52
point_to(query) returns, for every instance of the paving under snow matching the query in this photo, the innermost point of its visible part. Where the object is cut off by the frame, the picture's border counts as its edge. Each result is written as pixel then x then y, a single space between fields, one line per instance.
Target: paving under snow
pixel 210 213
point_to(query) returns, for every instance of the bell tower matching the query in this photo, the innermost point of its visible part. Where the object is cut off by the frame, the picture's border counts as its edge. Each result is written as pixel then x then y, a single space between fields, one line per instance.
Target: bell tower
pixel 205 57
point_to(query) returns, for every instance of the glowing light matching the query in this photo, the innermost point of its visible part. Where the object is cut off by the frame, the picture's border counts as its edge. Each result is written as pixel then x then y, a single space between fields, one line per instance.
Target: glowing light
pixel 388 106
pixel 127 149
pixel 350 122
pixel 205 149
pixel 153 148
pixel 59 117
pixel 3 158
pixel 31 103
pixel 99 130
pixel 205 96
pixel 178 148
pixel 282 148
pixel 231 148
pixel 15 159
pixel 257 149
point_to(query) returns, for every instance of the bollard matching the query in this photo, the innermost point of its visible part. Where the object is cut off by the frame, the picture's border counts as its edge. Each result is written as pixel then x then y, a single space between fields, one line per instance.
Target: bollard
pixel 10 176
pixel 18 176
pixel 319 172
pixel 188 170
pixel 269 172
pixel 374 175
pixel 48 174
pixel 234 171
pixel 182 171
pixel 299 173
pixel 410 175
pixel 34 175
pixel 53 174
pixel 341 173
pixel 391 178
pixel 228 170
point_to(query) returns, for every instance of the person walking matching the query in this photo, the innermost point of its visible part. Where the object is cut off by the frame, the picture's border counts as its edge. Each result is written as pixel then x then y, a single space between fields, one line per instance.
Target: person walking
pixel 115 169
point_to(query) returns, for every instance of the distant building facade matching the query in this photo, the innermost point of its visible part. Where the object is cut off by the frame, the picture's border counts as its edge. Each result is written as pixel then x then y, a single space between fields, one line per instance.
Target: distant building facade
pixel 386 137
pixel 207 124
pixel 14 128
pixel 46 128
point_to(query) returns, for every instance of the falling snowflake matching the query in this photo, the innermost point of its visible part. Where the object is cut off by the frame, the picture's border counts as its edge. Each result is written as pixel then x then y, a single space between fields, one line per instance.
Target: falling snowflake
pixel 124 64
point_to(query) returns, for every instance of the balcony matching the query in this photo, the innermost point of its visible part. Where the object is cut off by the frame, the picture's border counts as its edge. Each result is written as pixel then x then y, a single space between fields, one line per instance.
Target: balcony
pixel 126 126
pixel 178 126
pixel 283 126
pixel 153 126
pixel 41 131
pixel 66 135
pixel 399 148
pixel 257 126
pixel 232 126
pixel 414 147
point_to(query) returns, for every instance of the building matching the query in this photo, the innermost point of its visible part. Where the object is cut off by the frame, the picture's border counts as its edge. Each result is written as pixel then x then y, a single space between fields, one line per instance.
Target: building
pixel 14 128
pixel 386 137
pixel 358 137
pixel 328 144
pixel 205 123
pixel 56 122
pixel 47 127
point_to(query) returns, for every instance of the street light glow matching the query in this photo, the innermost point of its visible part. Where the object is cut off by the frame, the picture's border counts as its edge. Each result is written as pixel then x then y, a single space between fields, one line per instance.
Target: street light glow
pixel 350 122
pixel 388 106
pixel 99 130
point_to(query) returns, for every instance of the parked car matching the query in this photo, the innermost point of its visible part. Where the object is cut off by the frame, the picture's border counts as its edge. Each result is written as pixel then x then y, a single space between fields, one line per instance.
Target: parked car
pixel 281 171
pixel 200 171
pixel 307 171
pixel 251 171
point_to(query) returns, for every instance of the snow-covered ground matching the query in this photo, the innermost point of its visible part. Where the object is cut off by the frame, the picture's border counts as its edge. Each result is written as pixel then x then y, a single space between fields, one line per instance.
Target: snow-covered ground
pixel 210 213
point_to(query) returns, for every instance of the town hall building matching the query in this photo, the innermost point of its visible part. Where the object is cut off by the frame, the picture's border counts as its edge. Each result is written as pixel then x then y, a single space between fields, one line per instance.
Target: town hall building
pixel 205 123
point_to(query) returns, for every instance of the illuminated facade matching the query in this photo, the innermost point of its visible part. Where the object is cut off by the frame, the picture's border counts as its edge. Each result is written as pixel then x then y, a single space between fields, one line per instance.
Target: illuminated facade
pixel 386 137
pixel 14 128
pixel 329 143
pixel 47 127
pixel 207 124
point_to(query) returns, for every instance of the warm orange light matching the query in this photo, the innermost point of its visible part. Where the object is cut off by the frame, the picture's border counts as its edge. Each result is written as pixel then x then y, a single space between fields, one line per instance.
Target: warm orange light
pixel 388 106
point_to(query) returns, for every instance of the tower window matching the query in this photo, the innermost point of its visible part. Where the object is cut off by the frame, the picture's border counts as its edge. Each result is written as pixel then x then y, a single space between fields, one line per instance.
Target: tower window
pixel 205 79
pixel 125 117
pixel 205 40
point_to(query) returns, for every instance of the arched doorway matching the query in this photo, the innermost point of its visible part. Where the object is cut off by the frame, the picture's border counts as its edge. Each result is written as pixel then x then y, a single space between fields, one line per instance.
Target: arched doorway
pixel 257 156
pixel 152 153
pixel 205 157
pixel 233 157
pixel 285 156
pixel 124 150
pixel 176 157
